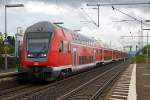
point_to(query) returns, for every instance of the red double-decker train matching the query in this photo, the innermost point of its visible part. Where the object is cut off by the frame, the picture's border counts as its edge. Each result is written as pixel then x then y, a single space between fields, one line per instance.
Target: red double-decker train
pixel 50 51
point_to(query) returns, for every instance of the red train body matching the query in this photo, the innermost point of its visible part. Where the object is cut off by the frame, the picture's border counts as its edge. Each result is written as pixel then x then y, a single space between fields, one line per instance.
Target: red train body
pixel 50 51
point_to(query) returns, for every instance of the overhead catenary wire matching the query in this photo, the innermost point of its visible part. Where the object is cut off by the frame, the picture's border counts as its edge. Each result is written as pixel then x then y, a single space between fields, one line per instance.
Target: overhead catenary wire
pixel 139 20
pixel 84 16
pixel 89 17
pixel 113 4
pixel 121 4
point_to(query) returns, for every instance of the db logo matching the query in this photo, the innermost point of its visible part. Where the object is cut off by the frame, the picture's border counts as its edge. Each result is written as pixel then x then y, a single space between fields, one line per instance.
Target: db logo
pixel 36 63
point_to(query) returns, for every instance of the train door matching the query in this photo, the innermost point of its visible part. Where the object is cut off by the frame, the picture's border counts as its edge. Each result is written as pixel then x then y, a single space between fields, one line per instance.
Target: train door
pixel 94 58
pixel 112 53
pixel 103 54
pixel 74 56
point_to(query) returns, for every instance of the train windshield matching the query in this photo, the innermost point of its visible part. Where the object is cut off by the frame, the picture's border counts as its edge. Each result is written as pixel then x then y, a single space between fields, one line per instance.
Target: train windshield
pixel 38 44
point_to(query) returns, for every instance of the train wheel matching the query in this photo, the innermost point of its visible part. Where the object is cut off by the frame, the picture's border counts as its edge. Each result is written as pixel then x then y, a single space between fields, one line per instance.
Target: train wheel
pixel 62 74
pixel 69 71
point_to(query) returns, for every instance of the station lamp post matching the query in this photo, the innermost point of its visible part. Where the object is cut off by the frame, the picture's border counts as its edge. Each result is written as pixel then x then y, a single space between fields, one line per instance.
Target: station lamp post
pixel 5 41
pixel 147 46
pixel 147 42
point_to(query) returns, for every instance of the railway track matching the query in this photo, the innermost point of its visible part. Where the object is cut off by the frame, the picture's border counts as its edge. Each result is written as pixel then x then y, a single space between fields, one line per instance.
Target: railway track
pixel 94 87
pixel 52 90
pixel 9 84
pixel 7 80
pixel 7 76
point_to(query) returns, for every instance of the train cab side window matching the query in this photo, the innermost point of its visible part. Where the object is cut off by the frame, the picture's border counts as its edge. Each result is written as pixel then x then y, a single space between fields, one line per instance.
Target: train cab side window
pixel 61 47
pixel 69 47
pixel 97 51
pixel 63 32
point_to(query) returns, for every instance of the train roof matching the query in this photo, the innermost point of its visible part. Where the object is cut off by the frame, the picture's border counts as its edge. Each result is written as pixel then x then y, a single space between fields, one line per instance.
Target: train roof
pixel 46 26
pixel 43 26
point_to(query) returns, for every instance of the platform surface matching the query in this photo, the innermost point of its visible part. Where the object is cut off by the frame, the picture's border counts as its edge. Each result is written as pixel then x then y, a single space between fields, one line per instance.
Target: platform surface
pixel 2 71
pixel 143 81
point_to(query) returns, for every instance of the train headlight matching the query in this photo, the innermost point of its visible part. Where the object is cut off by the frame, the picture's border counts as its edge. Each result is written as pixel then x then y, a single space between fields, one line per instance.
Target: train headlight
pixel 30 55
pixel 44 55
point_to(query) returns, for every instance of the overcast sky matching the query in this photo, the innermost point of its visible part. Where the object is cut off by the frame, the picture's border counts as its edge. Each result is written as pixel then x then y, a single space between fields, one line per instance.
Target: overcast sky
pixel 70 12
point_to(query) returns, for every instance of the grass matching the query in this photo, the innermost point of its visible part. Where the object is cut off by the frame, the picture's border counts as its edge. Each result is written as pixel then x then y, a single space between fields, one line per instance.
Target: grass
pixel 141 55
pixel 140 59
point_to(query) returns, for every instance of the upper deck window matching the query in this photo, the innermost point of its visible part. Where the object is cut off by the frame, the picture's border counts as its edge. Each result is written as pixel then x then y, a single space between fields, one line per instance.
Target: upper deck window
pixel 38 44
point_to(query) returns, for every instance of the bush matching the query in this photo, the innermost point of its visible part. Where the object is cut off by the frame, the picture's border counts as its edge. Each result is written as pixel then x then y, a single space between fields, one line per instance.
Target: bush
pixel 12 62
pixel 140 59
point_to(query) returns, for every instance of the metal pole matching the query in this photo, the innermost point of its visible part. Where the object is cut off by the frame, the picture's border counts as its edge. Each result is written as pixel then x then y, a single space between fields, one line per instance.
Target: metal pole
pixel 147 47
pixel 5 37
pixel 98 15
pixel 16 41
pixel 141 34
pixel 5 23
pixel 5 43
pixel 16 44
pixel 139 43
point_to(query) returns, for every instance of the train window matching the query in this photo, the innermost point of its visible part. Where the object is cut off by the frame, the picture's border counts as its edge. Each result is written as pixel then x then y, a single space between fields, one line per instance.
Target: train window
pixel 69 47
pixel 97 51
pixel 90 58
pixel 63 32
pixel 38 44
pixel 61 46
pixel 84 59
pixel 80 59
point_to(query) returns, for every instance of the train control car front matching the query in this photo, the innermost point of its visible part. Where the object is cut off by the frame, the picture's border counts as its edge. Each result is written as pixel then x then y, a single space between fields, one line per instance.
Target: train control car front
pixel 37 59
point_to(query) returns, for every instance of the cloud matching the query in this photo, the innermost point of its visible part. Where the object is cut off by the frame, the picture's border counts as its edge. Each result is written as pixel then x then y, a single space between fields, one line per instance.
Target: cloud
pixel 42 7
pixel 69 12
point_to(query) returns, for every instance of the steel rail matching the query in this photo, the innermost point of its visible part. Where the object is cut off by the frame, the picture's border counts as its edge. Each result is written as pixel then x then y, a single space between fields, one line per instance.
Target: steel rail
pixel 100 91
pixel 9 74
pixel 86 84
pixel 42 88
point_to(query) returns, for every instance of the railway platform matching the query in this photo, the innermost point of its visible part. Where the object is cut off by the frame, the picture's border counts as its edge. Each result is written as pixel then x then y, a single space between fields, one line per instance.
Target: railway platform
pixel 9 70
pixel 143 81
pixel 125 87
pixel 133 84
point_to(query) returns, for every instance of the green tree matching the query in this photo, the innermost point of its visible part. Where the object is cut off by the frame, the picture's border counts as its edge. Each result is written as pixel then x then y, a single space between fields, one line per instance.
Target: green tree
pixel 1 38
pixel 11 40
pixel 1 43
